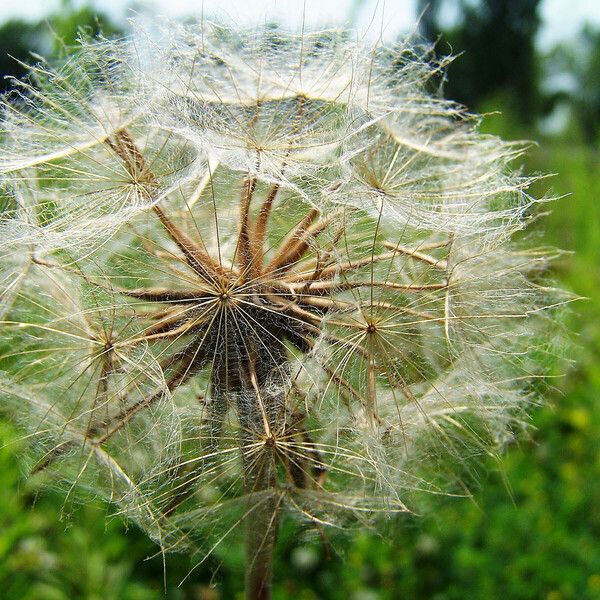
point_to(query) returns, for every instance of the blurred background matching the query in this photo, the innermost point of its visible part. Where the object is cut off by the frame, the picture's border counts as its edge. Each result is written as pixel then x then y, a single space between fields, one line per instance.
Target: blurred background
pixel 532 531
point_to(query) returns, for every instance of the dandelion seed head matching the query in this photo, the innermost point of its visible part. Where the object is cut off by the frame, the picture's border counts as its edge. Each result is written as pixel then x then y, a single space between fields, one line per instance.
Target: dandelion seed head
pixel 248 272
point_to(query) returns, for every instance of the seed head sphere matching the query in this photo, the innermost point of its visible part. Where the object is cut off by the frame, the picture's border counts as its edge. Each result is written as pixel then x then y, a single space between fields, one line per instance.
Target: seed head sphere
pixel 248 275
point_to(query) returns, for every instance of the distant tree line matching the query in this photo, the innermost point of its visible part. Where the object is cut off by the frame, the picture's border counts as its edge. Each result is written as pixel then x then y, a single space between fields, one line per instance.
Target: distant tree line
pixel 495 41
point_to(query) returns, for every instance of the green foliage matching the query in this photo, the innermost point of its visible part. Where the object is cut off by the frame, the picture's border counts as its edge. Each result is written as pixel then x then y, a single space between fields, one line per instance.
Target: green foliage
pixel 497 42
pixel 50 36
pixel 68 24
pixel 18 39
pixel 56 550
pixel 43 558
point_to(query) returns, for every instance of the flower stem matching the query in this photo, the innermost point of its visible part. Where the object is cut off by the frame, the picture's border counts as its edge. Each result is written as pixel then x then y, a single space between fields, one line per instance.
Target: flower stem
pixel 261 533
pixel 249 375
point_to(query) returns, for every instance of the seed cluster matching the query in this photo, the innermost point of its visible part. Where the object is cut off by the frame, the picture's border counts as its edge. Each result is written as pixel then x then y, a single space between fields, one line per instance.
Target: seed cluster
pixel 251 273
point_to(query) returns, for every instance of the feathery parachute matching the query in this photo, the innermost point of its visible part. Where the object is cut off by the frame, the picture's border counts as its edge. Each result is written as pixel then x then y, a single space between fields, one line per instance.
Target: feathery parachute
pixel 250 274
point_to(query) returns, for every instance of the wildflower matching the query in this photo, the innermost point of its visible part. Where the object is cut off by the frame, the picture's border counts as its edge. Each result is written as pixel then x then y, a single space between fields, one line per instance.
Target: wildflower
pixel 248 274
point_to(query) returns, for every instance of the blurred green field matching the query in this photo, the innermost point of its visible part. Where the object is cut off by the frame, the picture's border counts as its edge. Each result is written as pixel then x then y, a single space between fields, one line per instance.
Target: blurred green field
pixel 531 532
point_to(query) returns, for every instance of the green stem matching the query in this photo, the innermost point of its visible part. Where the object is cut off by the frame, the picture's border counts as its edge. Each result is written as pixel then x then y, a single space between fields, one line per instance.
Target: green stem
pixel 261 528
pixel 254 374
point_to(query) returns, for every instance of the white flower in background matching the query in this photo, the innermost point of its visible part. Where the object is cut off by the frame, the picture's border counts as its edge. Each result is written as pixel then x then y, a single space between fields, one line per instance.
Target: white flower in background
pixel 249 274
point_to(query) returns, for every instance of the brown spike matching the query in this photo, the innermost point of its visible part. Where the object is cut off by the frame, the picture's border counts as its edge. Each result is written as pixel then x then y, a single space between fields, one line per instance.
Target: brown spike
pixel 341 268
pixel 291 248
pixel 260 230
pixel 246 257
pixel 166 295
pixel 197 257
pixel 417 254
pixel 191 359
pixel 342 286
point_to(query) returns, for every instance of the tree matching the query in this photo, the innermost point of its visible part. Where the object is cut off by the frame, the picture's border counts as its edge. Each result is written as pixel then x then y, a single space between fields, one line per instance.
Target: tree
pixel 497 39
pixel 17 40
pixel 50 36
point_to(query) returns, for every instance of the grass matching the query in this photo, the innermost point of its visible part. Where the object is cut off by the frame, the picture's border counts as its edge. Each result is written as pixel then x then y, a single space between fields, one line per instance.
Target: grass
pixel 531 532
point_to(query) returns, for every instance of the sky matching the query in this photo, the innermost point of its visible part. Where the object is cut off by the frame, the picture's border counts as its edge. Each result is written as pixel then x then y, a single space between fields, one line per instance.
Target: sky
pixel 561 19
